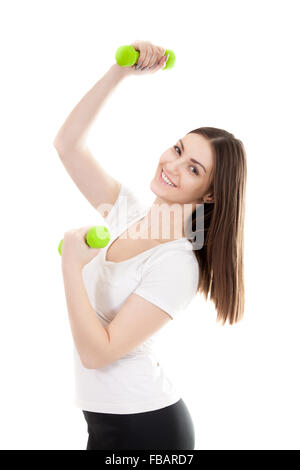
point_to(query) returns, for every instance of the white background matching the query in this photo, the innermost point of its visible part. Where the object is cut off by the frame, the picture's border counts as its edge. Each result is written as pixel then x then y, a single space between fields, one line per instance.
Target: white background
pixel 236 69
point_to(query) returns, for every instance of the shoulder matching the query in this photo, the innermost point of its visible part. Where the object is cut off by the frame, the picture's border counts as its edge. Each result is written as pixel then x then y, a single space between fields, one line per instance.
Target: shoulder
pixel 174 263
pixel 126 208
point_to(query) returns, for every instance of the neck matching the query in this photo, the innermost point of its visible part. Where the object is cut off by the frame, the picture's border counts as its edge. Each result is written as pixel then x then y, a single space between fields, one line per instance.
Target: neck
pixel 165 221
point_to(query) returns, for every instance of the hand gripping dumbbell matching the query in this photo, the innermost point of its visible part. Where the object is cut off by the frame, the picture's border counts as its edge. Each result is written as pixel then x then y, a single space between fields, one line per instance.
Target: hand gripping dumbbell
pixel 126 56
pixel 97 237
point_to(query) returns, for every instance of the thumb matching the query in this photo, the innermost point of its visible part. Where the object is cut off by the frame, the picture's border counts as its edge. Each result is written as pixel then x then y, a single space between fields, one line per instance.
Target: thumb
pixel 164 60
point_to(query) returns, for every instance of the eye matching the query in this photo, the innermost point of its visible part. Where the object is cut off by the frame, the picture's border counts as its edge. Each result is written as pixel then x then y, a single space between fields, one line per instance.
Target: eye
pixel 176 147
pixel 196 172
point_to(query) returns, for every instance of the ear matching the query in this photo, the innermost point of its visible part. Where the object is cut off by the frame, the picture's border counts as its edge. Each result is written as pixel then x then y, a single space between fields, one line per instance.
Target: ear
pixel 208 198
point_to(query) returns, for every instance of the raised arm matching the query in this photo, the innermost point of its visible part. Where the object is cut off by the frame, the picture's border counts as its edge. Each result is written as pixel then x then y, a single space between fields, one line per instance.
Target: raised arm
pixel 91 179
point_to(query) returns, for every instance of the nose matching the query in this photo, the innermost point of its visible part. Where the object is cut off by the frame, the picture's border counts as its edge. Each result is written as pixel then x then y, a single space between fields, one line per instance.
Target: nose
pixel 173 168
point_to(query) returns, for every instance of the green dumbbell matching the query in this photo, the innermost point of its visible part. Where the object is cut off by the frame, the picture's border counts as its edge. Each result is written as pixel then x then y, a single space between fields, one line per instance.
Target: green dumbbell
pixel 97 237
pixel 126 56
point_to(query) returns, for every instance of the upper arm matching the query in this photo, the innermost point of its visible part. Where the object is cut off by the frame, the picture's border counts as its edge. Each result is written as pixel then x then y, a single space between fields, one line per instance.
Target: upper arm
pixel 137 320
pixel 99 188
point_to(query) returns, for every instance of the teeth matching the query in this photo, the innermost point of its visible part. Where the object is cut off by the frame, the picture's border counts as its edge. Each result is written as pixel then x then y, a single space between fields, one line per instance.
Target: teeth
pixel 166 179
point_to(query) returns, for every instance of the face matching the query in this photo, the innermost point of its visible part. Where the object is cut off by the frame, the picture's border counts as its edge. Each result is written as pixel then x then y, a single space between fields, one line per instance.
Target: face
pixel 190 178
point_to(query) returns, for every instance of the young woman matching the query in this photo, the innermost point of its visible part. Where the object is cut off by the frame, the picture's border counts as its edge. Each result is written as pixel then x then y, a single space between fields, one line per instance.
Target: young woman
pixel 119 297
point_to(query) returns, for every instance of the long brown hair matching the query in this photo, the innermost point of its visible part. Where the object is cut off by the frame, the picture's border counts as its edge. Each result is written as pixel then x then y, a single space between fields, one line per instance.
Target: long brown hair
pixel 220 260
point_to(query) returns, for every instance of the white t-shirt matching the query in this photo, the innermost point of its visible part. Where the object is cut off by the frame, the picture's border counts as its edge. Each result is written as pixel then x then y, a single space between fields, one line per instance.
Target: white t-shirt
pixel 166 275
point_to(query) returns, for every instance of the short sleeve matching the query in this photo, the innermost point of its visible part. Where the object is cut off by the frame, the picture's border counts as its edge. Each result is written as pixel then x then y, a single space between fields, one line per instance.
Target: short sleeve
pixel 126 208
pixel 170 280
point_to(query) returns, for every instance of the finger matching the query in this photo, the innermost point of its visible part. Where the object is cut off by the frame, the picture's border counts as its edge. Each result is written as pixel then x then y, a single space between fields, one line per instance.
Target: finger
pixel 154 65
pixel 162 62
pixel 145 57
pixel 148 53
pixel 141 58
pixel 161 52
pixel 138 46
pixel 83 231
pixel 150 56
pixel 156 54
pixel 160 59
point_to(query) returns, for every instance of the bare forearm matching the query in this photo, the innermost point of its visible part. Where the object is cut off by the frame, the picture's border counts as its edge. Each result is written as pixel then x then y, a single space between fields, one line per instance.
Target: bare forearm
pixel 89 334
pixel 76 126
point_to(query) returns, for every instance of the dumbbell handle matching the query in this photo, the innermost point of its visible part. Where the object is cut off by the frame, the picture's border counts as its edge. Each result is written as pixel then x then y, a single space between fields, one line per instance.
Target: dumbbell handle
pixel 97 237
pixel 126 56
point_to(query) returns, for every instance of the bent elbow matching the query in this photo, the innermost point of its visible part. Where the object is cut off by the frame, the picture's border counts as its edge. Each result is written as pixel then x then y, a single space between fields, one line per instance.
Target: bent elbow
pixel 92 364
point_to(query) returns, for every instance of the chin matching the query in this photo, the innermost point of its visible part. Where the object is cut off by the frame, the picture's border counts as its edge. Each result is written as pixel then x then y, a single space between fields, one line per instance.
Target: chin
pixel 154 187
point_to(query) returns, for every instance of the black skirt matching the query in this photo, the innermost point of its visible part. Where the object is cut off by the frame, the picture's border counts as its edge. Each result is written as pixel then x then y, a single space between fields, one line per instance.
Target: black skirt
pixel 168 428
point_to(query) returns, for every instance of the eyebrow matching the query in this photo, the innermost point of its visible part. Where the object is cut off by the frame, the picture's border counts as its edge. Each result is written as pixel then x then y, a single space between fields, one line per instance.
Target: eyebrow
pixel 192 159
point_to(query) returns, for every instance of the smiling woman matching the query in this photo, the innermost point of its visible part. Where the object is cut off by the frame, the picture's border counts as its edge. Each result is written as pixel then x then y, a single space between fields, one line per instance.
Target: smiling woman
pixel 133 287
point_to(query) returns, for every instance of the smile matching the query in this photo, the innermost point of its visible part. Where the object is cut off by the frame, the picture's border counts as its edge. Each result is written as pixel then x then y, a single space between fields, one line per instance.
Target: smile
pixel 164 179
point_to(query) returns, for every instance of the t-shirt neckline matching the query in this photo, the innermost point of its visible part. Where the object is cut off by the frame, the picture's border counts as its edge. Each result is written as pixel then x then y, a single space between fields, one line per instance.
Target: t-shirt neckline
pixel 136 219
